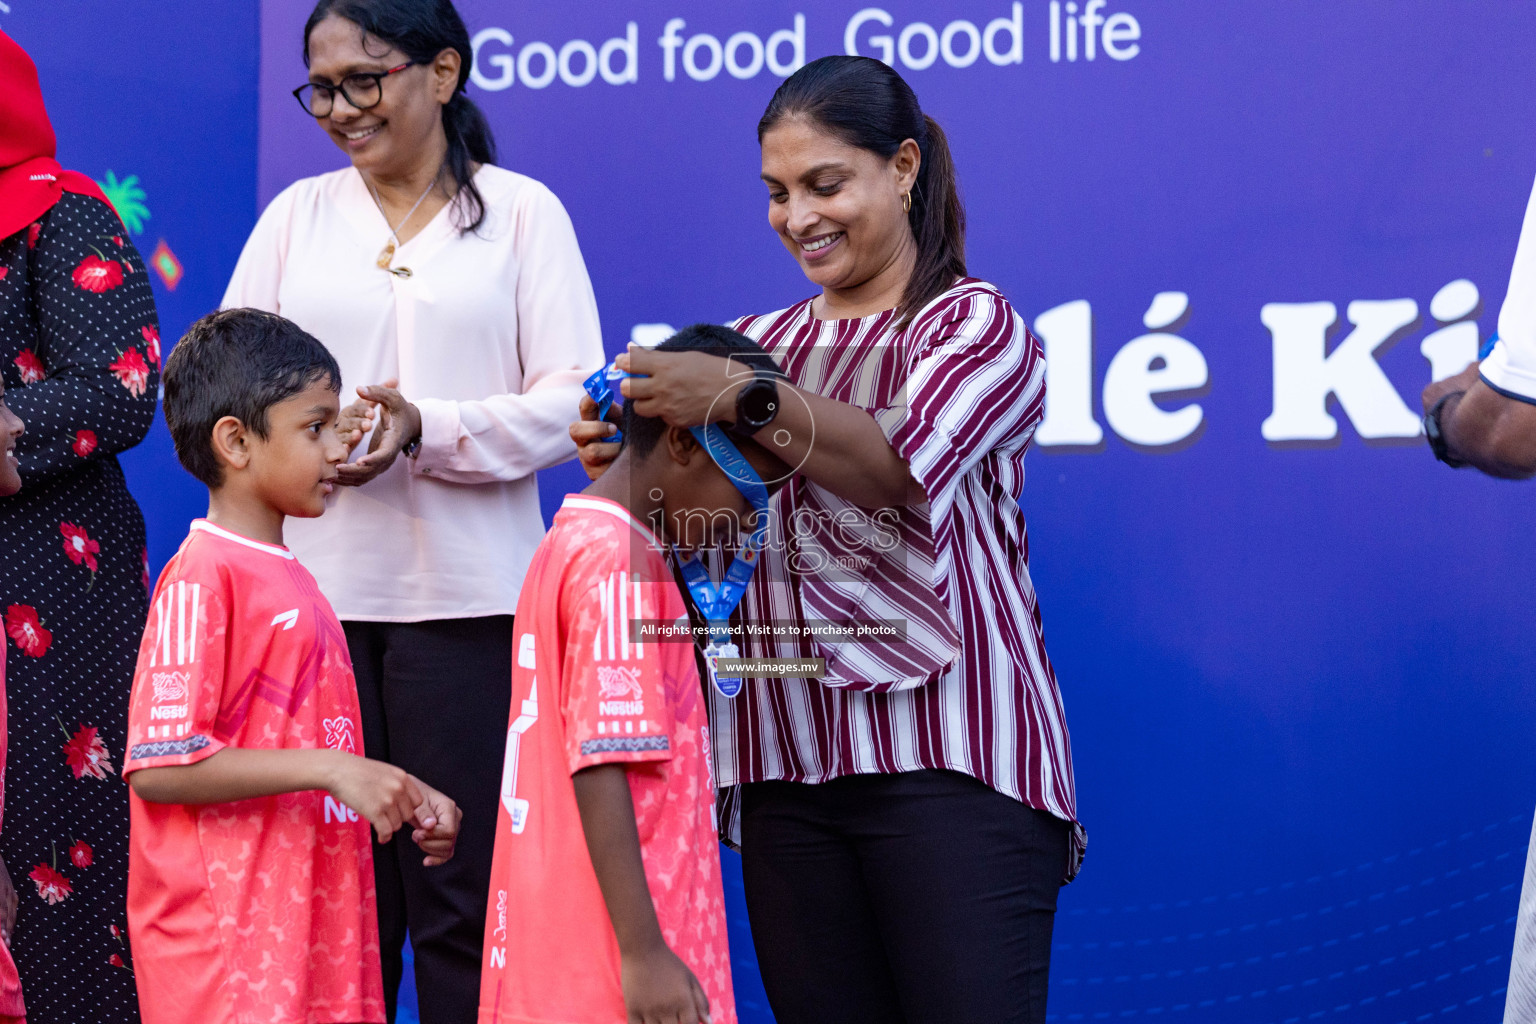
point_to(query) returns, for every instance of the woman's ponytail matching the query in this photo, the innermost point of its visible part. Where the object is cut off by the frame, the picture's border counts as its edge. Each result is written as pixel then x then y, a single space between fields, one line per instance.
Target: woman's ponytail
pixel 865 103
pixel 469 142
pixel 938 224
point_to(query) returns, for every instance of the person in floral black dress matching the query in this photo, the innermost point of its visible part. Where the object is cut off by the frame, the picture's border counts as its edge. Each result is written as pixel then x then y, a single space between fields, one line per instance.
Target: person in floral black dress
pixel 79 354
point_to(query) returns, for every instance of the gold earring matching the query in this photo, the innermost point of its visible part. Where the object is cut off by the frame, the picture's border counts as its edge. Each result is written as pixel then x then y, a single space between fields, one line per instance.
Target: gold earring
pixel 906 202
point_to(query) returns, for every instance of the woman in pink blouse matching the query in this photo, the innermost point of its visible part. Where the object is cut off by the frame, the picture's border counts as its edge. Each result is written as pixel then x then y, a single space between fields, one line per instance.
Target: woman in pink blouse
pixel 454 296
pixel 907 818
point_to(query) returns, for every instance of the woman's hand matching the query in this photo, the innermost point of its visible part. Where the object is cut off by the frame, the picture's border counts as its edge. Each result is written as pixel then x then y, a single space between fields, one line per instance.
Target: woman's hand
pixel 7 906
pixel 590 434
pixel 840 447
pixel 399 422
pixel 686 389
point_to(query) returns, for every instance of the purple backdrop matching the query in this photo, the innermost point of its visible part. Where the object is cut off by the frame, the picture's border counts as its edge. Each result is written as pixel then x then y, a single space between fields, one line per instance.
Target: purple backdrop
pixel 1292 648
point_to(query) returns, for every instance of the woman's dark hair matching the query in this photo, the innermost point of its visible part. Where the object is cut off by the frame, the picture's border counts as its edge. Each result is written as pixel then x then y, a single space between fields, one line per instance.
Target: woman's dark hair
pixel 422 29
pixel 864 103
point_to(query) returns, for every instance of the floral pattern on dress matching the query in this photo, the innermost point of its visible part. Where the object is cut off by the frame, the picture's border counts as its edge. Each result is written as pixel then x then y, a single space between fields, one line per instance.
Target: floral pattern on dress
pixel 132 371
pixel 79 546
pixel 51 885
pixel 151 335
pixel 23 626
pixel 31 367
pixel 87 755
pixel 95 274
pixel 77 318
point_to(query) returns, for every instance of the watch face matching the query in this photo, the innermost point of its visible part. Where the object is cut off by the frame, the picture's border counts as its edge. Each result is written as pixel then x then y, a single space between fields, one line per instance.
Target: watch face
pixel 758 402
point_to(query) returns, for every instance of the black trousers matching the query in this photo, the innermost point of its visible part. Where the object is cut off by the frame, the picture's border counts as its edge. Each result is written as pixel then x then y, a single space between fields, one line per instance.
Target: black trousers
pixel 915 898
pixel 434 698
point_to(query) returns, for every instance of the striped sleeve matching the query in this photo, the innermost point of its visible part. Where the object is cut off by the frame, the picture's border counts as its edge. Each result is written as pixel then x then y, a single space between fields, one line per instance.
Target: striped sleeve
pixel 178 685
pixel 975 385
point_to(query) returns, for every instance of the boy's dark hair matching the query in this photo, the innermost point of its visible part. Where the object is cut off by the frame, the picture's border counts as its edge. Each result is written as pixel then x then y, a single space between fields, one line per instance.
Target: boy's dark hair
pixel 240 363
pixel 641 433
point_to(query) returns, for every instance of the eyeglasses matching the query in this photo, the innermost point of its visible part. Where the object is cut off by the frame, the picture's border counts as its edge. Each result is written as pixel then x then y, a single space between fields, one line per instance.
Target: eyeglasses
pixel 363 90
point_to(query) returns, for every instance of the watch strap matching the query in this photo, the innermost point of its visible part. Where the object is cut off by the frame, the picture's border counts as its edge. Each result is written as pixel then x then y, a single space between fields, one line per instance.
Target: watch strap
pixel 1435 435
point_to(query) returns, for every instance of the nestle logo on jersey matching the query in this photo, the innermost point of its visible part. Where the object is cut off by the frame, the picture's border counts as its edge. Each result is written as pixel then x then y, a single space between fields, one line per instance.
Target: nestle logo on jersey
pixel 168 711
pixel 615 684
pixel 169 686
pixel 621 707
pixel 337 812
pixel 338 734
pixel 617 681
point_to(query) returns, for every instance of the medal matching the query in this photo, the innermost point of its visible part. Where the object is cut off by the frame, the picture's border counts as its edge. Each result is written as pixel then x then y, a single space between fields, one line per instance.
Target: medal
pixel 716 602
pixel 726 686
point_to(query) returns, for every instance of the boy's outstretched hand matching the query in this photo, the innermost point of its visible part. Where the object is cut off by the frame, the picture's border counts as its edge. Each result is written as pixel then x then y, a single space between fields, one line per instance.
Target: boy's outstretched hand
pixel 389 798
pixel 660 989
pixel 437 825
pixel 385 795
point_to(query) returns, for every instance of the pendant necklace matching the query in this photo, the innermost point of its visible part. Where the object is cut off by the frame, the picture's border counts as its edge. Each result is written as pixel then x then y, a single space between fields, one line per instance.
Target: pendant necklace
pixel 387 254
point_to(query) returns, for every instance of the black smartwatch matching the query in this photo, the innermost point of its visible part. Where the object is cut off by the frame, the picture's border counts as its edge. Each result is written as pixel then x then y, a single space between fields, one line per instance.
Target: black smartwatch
pixel 757 403
pixel 1436 436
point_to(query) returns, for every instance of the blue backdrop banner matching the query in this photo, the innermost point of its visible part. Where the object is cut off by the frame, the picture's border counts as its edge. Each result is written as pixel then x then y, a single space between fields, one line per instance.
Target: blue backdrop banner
pixel 1292 647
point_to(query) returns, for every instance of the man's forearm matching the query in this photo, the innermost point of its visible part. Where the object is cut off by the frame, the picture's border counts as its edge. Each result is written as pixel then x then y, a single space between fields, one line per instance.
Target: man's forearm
pixel 1493 432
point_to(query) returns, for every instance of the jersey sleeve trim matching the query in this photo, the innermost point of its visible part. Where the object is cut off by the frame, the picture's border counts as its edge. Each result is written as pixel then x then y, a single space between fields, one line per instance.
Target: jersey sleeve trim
pixel 601 750
pixel 625 745
pixel 171 753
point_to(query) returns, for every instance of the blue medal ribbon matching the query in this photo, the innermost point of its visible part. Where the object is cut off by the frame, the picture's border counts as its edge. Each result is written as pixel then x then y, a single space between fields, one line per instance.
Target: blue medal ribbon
pixel 715 601
pixel 600 387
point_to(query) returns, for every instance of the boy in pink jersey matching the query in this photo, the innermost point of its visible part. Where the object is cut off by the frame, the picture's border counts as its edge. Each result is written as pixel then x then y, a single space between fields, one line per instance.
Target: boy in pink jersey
pixel 250 886
pixel 11 1009
pixel 606 905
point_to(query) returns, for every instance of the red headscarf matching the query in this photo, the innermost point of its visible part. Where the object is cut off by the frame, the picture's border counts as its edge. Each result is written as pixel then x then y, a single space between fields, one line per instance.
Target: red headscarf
pixel 31 180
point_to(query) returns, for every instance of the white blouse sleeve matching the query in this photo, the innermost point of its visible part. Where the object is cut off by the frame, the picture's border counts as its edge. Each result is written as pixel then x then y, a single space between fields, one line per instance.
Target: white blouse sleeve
pixel 559 342
pixel 259 273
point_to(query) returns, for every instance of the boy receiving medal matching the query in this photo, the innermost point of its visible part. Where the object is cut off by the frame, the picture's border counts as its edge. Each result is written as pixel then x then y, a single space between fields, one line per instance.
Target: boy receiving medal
pixel 606 902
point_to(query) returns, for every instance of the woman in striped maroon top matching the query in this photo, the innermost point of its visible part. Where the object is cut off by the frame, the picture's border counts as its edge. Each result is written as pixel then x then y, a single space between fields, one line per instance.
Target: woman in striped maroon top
pixel 906 819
